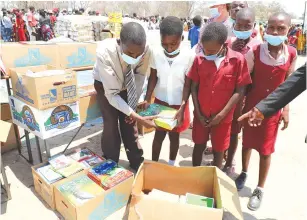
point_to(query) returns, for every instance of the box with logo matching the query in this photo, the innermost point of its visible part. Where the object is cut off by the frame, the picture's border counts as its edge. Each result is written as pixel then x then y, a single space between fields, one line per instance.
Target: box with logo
pixel 45 123
pixel 76 199
pixel 43 86
pixel 73 55
pixel 20 55
pixel 203 181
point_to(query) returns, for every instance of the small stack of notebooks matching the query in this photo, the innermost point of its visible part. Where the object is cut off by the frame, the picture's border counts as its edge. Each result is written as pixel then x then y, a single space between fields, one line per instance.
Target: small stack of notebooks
pixel 80 189
pixel 65 166
pixel 108 174
pixel 48 174
pixel 165 116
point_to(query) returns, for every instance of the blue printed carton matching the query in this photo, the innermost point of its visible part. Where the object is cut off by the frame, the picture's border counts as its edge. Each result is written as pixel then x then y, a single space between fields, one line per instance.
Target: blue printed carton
pixel 43 87
pixel 48 122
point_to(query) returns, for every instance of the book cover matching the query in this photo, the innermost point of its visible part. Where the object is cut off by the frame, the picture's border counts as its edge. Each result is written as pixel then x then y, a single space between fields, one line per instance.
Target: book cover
pixel 103 167
pixel 81 154
pixel 114 177
pixel 199 200
pixel 48 174
pixel 80 189
pixel 92 161
pixel 60 161
pixel 73 168
pixel 165 115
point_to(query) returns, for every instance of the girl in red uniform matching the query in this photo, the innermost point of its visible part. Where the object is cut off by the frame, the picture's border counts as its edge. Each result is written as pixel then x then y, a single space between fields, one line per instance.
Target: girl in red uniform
pixel 219 77
pixel 270 64
pixel 169 67
pixel 20 24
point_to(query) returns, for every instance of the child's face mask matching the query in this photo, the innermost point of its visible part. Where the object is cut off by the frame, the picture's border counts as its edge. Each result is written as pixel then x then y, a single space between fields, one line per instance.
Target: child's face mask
pixel 275 40
pixel 214 56
pixel 243 35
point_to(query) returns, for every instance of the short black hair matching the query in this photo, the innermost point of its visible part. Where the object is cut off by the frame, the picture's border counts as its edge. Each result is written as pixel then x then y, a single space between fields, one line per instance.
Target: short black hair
pixel 246 13
pixel 134 33
pixel 283 14
pixel 81 10
pixel 171 25
pixel 197 20
pixel 215 31
pixel 31 8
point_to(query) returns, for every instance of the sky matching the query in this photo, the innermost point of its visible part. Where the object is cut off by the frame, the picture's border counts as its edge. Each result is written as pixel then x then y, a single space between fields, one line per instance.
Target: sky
pixel 294 6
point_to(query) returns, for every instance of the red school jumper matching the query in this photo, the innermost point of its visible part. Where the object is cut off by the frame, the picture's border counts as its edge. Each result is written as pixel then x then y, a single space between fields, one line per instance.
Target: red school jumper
pixel 216 87
pixel 266 79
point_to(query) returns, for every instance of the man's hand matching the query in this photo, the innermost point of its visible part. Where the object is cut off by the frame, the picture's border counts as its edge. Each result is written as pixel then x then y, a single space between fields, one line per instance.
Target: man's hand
pixel 179 116
pixel 129 120
pixel 144 105
pixel 148 122
pixel 238 45
pixel 215 120
pixel 284 117
pixel 254 117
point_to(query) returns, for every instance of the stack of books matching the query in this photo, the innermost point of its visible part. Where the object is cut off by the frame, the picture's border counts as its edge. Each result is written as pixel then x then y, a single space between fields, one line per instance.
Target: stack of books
pixel 165 116
pixel 80 189
pixel 81 154
pixel 65 166
pixel 108 174
pixel 48 174
pixel 92 161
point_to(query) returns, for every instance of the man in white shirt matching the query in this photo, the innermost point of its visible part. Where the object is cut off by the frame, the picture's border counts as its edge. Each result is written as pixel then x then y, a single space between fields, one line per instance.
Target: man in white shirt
pixel 119 74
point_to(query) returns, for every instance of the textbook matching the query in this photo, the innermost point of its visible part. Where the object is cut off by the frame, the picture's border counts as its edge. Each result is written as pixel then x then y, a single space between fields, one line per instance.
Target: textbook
pixel 73 168
pixel 199 200
pixel 165 116
pixel 59 162
pixel 81 154
pixel 49 174
pixel 92 161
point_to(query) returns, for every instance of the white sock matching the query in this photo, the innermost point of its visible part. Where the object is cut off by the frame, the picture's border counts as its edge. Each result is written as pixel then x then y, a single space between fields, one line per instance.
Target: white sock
pixel 171 162
pixel 261 189
pixel 244 172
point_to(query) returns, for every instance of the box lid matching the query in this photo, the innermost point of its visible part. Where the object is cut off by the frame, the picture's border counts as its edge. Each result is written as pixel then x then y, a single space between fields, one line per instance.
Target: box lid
pixel 5 129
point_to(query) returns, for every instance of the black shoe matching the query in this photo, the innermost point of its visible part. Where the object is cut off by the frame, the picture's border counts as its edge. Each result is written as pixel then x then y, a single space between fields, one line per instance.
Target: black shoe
pixel 240 181
pixel 255 200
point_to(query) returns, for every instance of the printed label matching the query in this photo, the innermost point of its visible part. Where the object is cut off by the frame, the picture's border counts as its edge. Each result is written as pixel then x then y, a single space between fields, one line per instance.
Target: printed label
pixel 33 58
pixel 81 58
pixel 29 119
pixel 69 92
pixel 51 96
pixel 60 118
pixel 22 91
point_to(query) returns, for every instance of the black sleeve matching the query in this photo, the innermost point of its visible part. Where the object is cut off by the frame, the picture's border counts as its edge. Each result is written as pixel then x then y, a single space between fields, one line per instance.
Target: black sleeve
pixel 285 93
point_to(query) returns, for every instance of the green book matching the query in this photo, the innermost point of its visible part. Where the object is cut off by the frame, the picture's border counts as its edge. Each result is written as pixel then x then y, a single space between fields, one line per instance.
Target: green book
pixel 199 200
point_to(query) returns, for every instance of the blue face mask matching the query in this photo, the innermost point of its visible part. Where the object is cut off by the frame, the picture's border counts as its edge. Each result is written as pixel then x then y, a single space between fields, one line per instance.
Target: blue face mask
pixel 275 40
pixel 131 60
pixel 214 12
pixel 175 52
pixel 212 57
pixel 243 35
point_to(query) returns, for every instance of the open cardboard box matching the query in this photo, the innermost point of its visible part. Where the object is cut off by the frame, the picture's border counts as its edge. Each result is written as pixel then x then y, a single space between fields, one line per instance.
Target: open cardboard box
pixel 206 181
pixel 44 92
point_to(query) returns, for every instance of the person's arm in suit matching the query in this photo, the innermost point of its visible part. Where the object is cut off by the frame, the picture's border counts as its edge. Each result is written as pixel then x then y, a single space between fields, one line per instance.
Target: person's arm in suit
pixel 285 93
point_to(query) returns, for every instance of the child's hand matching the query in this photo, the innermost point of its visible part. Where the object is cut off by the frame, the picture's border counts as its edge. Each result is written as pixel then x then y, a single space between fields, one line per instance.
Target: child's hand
pixel 238 45
pixel 179 116
pixel 129 120
pixel 215 120
pixel 203 120
pixel 285 118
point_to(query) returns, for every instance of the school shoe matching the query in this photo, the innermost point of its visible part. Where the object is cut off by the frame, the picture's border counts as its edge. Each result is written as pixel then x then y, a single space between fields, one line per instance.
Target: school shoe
pixel 240 181
pixel 229 170
pixel 255 200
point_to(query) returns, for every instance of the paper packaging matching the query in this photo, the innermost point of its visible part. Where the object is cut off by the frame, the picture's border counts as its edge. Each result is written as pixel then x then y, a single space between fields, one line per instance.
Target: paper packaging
pixel 47 91
pixel 73 55
pixel 45 123
pixel 206 181
pixel 20 55
pixel 99 207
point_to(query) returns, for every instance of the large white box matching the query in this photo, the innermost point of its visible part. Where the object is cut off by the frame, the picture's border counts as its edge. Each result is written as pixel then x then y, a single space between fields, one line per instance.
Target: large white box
pixel 45 123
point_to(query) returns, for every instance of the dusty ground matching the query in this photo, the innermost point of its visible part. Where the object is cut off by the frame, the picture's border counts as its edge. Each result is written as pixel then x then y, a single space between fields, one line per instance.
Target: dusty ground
pixel 285 191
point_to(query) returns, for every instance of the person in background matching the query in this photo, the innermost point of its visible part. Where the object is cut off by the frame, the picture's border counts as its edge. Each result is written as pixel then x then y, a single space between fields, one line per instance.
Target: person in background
pixel 270 64
pixel 300 40
pixel 55 12
pixel 219 77
pixel 20 26
pixel 235 7
pixel 81 10
pixel 31 23
pixel 169 67
pixel 194 31
pixel 242 43
pixel 119 73
pixel 69 11
pixel 52 18
pixel 45 25
pixel 97 13
pixel 7 25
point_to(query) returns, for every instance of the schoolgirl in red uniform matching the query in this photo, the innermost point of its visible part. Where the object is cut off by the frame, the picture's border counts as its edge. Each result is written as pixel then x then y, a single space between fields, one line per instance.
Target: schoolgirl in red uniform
pixel 270 64
pixel 219 78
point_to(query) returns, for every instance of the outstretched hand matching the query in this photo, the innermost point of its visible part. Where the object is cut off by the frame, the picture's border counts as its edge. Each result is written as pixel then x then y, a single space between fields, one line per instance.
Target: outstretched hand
pixel 254 116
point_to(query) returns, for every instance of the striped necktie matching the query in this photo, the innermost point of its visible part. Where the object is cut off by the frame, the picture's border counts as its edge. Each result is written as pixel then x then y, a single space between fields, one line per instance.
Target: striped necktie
pixel 131 88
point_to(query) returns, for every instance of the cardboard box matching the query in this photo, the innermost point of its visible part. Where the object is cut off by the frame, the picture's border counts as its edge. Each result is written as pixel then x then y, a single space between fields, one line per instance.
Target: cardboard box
pixel 5 130
pixel 21 55
pixel 73 55
pixel 206 181
pixel 5 112
pixel 89 109
pixel 99 207
pixel 44 92
pixel 45 123
pixel 11 142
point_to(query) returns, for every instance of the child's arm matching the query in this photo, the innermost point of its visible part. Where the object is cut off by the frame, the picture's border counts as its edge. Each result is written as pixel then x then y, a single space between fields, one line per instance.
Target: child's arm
pixel 152 82
pixel 185 96
pixel 194 91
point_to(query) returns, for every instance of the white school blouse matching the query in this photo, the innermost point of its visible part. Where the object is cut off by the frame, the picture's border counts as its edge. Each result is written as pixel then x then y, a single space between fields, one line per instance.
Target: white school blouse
pixel 171 74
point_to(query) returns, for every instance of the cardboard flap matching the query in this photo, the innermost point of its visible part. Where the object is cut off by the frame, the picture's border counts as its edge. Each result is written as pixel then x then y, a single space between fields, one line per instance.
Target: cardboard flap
pixel 5 129
pixel 229 195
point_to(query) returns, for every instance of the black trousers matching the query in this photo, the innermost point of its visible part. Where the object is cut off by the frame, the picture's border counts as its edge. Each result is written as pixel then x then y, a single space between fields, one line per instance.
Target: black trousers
pixel 111 138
